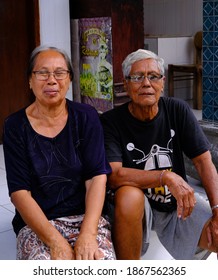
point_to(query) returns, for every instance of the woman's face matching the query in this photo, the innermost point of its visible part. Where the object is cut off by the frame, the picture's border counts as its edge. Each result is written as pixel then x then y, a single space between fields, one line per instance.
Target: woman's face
pixel 147 92
pixel 51 90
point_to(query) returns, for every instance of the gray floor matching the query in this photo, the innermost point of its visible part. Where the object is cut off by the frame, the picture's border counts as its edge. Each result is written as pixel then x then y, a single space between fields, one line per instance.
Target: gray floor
pixel 7 236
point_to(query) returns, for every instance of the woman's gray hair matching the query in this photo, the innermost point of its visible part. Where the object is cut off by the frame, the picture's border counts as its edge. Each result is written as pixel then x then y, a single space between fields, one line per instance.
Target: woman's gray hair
pixel 42 48
pixel 139 55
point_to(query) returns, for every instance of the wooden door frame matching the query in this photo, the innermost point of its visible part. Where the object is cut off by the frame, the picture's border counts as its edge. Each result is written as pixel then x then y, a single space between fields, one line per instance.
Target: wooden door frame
pixel 34 14
pixel 14 54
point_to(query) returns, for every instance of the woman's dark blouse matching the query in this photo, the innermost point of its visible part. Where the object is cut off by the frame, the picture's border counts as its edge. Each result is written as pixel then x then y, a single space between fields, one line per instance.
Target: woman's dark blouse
pixel 54 169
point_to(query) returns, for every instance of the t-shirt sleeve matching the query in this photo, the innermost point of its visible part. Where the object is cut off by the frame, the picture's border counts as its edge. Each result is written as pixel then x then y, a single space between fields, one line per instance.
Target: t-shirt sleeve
pixel 93 150
pixel 16 160
pixel 192 138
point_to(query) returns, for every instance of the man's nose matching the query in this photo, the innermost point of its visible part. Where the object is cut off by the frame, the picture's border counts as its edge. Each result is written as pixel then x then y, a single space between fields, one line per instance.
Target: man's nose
pixel 146 81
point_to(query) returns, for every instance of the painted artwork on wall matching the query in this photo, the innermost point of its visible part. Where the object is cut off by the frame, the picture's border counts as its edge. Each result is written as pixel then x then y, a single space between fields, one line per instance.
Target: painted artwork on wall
pixel 96 71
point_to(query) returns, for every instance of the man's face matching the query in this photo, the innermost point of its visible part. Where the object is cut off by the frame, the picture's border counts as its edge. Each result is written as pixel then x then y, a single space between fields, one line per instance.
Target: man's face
pixel 145 91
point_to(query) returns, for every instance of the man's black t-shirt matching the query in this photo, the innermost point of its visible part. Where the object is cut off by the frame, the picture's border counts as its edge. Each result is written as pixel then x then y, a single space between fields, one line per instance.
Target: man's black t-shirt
pixel 156 144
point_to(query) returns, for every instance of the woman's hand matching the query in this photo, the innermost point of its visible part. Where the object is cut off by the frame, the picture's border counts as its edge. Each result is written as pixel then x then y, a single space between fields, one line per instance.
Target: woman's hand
pixel 86 248
pixel 61 250
pixel 34 217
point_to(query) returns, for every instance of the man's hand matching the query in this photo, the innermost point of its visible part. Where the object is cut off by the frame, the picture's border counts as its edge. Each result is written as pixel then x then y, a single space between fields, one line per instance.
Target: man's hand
pixel 183 193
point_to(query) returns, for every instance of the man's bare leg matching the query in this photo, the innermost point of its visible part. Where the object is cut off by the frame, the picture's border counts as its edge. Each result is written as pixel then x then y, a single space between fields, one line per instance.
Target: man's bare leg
pixel 128 223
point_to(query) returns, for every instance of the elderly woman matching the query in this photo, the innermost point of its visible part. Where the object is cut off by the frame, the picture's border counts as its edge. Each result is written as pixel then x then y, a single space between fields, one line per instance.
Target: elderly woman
pixel 145 141
pixel 56 168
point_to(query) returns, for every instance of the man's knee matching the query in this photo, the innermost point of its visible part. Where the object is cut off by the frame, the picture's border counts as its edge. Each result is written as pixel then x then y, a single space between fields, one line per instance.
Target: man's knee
pixel 129 201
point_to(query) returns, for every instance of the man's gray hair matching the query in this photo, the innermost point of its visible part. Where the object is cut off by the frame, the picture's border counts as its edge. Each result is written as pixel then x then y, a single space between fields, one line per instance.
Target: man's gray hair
pixel 139 55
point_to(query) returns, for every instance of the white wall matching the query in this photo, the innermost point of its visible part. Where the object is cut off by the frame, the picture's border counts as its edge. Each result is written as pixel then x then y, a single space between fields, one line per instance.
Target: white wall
pixel 169 27
pixel 173 17
pixel 162 18
pixel 55 26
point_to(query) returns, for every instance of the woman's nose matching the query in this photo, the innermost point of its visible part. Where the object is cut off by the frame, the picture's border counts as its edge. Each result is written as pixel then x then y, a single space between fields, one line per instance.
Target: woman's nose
pixel 51 78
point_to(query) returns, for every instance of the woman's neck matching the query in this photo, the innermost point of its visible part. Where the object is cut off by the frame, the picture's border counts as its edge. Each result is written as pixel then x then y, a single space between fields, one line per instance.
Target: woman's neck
pixel 47 121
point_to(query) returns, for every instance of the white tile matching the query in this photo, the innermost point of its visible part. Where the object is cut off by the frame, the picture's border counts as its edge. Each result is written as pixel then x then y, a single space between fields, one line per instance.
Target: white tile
pixel 198 114
pixel 185 50
pixel 156 251
pixel 8 245
pixel 9 207
pixel 3 177
pixel 167 50
pixel 2 163
pixel 212 256
pixel 4 197
pixel 6 217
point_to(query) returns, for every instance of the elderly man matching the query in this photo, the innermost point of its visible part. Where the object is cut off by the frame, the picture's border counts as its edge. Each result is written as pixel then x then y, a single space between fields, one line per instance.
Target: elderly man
pixel 145 140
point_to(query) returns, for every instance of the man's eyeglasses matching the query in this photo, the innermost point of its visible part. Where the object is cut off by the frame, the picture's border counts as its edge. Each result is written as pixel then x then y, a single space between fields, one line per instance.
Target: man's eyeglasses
pixel 140 78
pixel 44 75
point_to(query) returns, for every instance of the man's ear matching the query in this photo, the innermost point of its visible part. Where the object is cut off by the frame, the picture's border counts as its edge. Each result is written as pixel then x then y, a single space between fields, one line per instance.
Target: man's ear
pixel 125 84
pixel 164 80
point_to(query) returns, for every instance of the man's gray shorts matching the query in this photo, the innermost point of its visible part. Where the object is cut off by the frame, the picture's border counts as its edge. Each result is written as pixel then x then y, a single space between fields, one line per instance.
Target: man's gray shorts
pixel 179 237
